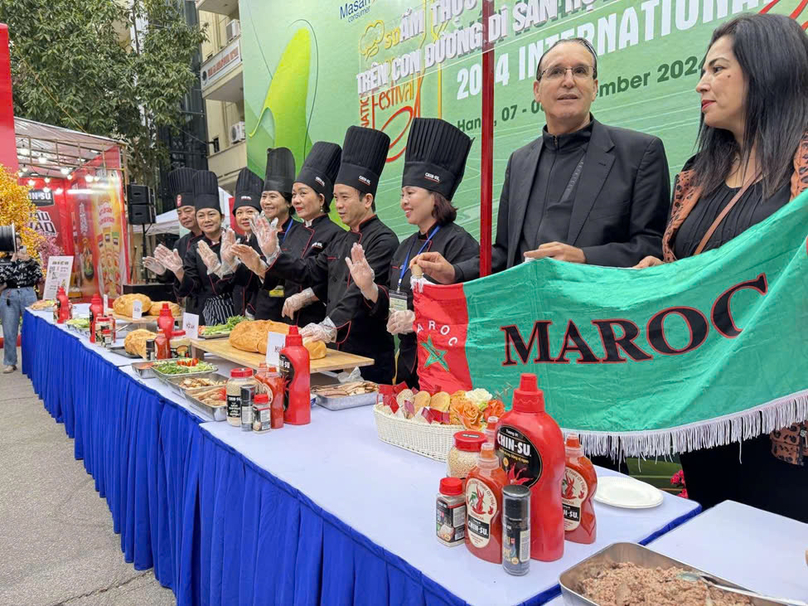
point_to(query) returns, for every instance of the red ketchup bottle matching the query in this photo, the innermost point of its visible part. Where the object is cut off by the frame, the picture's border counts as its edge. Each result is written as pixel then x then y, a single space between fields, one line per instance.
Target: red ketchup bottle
pixel 531 448
pixel 577 489
pixel 96 311
pixel 165 323
pixel 294 366
pixel 62 306
pixel 484 486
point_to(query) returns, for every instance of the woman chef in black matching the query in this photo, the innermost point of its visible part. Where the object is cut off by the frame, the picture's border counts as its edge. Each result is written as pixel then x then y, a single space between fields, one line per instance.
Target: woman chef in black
pixel 306 239
pixel 215 298
pixel 433 168
pixel 276 203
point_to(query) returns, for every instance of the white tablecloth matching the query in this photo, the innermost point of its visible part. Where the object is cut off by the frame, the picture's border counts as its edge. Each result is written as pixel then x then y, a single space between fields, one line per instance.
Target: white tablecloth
pixel 758 550
pixel 388 494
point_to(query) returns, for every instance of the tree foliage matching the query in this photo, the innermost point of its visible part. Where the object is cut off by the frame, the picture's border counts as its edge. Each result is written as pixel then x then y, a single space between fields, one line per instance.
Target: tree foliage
pixel 17 209
pixel 74 66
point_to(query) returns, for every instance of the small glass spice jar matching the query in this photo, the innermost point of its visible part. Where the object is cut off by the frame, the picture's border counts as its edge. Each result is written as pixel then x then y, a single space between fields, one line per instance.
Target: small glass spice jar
pixel 463 455
pixel 450 514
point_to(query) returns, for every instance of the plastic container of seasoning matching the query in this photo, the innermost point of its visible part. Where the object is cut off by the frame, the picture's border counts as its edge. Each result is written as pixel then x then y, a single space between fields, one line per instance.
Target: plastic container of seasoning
pixel 463 455
pixel 102 323
pixel 106 337
pixel 261 413
pixel 161 347
pixel 450 521
pixel 247 397
pixel 516 529
pixel 180 344
pixel 239 377
pixel 151 349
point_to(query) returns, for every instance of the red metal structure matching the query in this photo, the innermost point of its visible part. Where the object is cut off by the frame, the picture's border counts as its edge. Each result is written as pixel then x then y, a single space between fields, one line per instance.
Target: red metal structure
pixel 8 143
pixel 487 151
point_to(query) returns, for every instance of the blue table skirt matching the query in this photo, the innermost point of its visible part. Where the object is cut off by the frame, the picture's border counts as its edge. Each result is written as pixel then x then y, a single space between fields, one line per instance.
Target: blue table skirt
pixel 218 529
pixel 141 449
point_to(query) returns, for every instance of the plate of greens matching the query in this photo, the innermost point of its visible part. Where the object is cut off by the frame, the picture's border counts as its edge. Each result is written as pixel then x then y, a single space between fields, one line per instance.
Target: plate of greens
pixel 217 331
pixel 185 367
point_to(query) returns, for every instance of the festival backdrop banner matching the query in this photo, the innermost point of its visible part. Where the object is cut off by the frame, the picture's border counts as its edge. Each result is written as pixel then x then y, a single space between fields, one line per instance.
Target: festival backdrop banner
pixel 685 355
pixel 312 68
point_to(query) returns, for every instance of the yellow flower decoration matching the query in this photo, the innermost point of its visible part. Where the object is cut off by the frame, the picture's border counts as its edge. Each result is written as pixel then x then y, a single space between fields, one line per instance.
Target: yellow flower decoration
pixel 18 210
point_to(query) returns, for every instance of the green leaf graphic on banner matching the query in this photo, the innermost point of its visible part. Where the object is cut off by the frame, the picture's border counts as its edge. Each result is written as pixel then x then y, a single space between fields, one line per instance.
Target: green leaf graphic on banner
pixel 282 120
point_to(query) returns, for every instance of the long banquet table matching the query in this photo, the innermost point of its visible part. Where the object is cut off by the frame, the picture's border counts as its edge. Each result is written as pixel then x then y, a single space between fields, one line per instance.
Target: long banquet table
pixel 324 513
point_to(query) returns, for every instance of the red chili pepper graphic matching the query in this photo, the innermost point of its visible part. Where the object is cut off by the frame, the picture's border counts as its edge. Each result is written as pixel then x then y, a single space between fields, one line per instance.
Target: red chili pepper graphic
pixel 516 478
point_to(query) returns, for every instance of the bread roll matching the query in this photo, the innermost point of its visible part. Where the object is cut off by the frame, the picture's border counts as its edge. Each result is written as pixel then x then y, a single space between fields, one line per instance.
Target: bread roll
pixel 156 306
pixel 440 402
pixel 135 342
pixel 251 335
pixel 123 304
pixel 317 349
pixel 422 399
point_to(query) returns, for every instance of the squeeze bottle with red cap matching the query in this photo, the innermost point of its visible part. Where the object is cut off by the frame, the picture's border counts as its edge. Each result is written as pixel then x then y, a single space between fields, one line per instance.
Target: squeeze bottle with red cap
pixel 166 321
pixel 62 307
pixel 531 449
pixel 577 489
pixel 294 366
pixel 96 311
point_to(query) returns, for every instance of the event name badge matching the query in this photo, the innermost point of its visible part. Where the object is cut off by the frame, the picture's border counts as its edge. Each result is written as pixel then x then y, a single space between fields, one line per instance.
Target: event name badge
pixel 190 324
pixel 398 301
pixel 275 343
pixel 137 310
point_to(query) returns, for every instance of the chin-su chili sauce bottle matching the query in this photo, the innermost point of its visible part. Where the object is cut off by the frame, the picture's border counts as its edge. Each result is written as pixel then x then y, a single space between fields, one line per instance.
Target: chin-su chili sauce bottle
pixel 577 489
pixel 531 449
pixel 484 486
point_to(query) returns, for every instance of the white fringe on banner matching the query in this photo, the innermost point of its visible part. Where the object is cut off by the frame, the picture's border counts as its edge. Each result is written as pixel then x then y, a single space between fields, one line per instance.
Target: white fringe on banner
pixel 719 431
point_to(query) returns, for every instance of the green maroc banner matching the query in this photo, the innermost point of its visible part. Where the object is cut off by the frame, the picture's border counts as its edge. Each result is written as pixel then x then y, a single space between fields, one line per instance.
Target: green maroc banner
pixel 685 355
pixel 314 67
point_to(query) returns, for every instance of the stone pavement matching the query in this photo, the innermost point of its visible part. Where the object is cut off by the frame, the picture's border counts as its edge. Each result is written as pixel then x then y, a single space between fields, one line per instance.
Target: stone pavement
pixel 57 545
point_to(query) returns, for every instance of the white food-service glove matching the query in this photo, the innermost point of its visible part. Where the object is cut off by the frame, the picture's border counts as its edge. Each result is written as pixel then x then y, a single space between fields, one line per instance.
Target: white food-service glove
pixel 228 260
pixel 297 302
pixel 362 273
pixel 170 259
pixel 154 266
pixel 209 258
pixel 267 236
pixel 325 331
pixel 400 322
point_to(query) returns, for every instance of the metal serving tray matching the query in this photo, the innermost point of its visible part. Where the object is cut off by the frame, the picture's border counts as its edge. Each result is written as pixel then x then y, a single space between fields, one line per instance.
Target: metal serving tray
pixel 217 413
pixel 346 402
pixel 119 349
pixel 174 380
pixel 616 553
pixel 144 369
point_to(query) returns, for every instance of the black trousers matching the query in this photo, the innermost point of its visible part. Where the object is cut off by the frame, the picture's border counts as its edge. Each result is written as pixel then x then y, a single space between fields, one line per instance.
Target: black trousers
pixel 747 473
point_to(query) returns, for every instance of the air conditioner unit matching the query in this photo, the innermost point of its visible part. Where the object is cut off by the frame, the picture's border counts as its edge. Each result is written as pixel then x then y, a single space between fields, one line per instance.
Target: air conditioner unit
pixel 233 29
pixel 238 132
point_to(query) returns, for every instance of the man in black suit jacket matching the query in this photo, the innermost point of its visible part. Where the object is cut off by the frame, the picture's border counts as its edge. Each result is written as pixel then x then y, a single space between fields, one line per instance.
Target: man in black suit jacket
pixel 583 192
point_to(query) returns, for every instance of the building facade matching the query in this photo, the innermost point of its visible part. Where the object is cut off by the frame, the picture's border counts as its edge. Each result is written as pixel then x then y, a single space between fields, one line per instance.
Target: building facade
pixel 222 87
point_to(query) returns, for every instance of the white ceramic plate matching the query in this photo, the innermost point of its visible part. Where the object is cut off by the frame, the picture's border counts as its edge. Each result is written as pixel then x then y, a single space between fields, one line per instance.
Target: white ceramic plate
pixel 620 491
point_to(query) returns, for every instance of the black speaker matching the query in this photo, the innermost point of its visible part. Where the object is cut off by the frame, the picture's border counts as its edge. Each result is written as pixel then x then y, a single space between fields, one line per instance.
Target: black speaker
pixel 140 203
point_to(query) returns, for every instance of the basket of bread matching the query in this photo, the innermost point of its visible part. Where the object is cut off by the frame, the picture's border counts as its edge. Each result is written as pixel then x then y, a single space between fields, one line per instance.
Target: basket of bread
pixel 251 336
pixel 425 424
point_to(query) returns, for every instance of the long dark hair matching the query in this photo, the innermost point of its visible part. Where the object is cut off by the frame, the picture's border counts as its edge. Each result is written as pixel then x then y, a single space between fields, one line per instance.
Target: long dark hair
pixel 772 51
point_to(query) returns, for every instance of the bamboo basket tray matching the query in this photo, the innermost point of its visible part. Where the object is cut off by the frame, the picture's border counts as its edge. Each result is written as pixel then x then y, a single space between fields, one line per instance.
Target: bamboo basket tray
pixel 426 439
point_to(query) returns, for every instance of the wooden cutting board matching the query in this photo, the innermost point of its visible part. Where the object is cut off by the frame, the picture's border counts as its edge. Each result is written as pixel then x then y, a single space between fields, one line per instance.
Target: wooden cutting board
pixel 333 361
pixel 144 320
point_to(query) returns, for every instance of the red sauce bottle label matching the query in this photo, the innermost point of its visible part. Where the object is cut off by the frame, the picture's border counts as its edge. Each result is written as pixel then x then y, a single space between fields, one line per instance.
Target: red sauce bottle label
pixel 481 510
pixel 519 457
pixel 574 491
pixel 287 370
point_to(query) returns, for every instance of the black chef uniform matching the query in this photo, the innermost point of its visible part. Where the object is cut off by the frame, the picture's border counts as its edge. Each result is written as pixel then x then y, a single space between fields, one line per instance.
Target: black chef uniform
pixel 267 304
pixel 440 150
pixel 215 300
pixel 363 158
pixel 181 187
pixel 245 283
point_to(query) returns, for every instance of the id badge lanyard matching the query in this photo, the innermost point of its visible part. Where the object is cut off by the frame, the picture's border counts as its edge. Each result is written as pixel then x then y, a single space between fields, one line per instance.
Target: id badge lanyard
pixel 398 299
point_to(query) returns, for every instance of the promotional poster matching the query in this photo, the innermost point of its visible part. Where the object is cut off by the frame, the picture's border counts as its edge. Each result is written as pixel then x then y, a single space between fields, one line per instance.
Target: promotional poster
pixel 313 69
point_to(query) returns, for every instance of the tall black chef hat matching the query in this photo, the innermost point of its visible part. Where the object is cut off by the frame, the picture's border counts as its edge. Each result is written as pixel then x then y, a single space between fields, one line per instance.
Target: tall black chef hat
pixel 364 153
pixel 206 190
pixel 320 169
pixel 436 156
pixel 280 173
pixel 248 190
pixel 181 186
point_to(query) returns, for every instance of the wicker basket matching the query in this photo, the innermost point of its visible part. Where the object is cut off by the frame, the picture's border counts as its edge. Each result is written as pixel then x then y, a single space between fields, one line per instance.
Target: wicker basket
pixel 430 440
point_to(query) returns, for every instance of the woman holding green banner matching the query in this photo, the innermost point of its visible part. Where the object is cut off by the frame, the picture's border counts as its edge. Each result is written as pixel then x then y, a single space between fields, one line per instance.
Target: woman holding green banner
pixel 753 159
pixel 433 169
